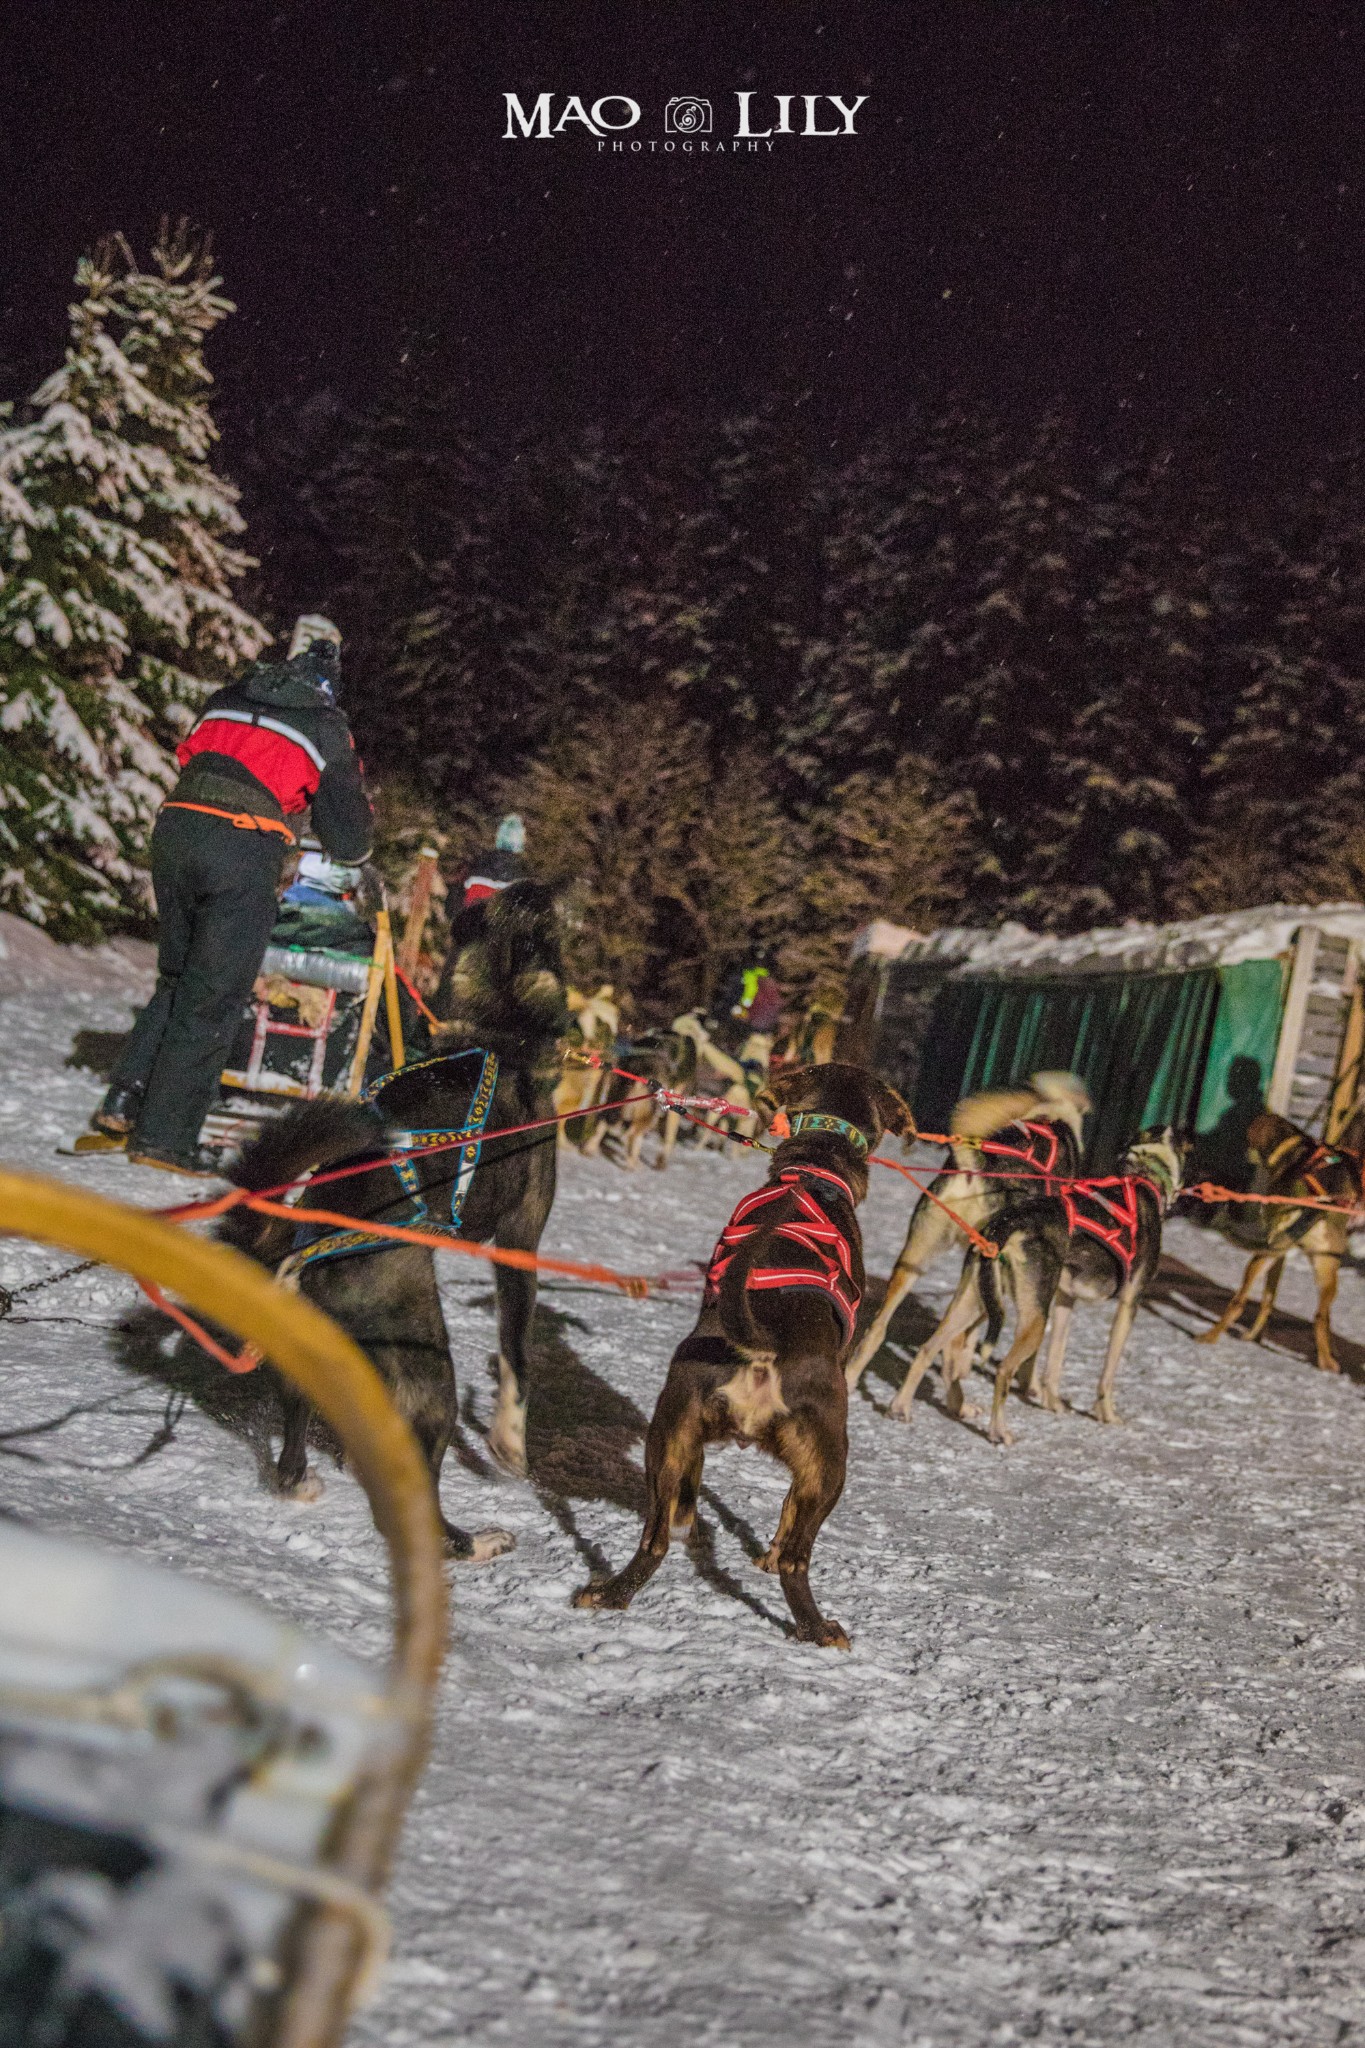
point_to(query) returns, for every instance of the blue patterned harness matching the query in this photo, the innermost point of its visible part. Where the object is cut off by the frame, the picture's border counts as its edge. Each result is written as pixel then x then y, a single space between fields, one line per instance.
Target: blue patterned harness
pixel 315 1242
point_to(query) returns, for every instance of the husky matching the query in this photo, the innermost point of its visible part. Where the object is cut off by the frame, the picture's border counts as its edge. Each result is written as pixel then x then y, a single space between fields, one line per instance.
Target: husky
pixel 1029 1129
pixel 1059 1244
pixel 1288 1162
pixel 595 1028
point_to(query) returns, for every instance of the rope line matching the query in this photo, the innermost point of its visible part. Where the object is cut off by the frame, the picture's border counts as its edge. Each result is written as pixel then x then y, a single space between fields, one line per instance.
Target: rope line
pixel 411 986
pixel 636 1286
pixel 985 1245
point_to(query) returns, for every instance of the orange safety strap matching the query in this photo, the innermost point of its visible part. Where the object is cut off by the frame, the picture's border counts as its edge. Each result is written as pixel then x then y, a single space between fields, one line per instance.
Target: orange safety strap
pixel 245 821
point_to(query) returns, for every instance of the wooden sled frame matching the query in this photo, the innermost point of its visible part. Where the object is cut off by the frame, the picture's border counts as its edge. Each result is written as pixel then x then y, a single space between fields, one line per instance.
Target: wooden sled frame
pixel 383 980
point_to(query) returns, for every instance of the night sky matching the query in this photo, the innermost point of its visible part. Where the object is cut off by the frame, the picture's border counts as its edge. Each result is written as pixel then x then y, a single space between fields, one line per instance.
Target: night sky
pixel 1151 214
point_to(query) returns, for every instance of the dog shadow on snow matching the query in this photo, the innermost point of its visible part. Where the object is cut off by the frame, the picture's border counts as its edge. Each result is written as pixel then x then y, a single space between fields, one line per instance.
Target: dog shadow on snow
pixel 1177 1292
pixel 913 1323
pixel 246 1405
pixel 584 1443
pixel 580 1435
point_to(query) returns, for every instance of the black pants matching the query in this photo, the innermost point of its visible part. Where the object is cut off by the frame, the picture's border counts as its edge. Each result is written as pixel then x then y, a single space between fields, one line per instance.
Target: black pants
pixel 215 896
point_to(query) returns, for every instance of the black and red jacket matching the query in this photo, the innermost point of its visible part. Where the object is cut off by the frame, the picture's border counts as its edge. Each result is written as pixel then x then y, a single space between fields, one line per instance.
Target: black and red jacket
pixel 492 872
pixel 276 740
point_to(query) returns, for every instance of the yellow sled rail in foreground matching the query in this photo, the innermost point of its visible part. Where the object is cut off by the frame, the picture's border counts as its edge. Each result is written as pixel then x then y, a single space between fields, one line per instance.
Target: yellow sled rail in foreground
pixel 309 1349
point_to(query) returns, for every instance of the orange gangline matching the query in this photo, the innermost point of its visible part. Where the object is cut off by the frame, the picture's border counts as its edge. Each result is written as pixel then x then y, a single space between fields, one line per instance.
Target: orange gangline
pixel 983 1244
pixel 636 1285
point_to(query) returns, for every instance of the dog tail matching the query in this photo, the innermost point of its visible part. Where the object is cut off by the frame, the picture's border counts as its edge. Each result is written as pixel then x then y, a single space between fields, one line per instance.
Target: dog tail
pixel 981 1116
pixel 1063 1099
pixel 736 1313
pixel 1054 1097
pixel 315 1134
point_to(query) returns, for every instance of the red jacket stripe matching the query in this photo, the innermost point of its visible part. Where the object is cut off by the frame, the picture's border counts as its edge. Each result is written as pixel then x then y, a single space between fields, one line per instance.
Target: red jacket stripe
pixel 288 763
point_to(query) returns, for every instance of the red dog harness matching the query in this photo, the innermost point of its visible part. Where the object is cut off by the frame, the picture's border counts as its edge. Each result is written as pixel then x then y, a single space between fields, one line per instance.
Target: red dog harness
pixel 1111 1217
pixel 1037 1154
pixel 1326 1155
pixel 812 1228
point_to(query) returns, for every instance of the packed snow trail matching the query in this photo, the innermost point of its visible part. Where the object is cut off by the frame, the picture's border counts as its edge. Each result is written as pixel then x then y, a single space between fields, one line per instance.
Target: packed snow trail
pixel 1092 1769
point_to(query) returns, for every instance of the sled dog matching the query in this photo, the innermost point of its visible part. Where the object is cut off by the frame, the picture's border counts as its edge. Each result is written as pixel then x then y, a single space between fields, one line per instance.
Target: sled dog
pixel 764 1364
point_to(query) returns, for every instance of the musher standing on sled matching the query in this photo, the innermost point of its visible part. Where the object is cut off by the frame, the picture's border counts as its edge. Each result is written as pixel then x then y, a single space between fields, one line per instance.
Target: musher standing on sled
pixel 264 749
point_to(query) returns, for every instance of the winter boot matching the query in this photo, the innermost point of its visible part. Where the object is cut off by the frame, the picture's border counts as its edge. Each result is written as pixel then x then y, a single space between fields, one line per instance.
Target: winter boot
pixel 200 1161
pixel 117 1113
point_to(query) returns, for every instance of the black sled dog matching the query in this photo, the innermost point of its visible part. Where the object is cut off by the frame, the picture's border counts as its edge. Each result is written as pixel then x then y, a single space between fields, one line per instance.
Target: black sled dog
pixel 765 1363
pixel 494 1067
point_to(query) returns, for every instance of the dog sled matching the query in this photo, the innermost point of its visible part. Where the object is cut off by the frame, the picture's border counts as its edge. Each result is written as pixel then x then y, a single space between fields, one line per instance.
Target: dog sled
pixel 334 1006
pixel 198 1803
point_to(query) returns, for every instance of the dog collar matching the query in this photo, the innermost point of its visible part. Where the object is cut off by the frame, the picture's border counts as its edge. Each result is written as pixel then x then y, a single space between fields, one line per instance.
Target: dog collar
pixel 810 1120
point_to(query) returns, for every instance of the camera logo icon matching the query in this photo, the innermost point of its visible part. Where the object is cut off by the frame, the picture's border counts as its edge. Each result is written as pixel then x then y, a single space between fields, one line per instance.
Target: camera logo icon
pixel 687 115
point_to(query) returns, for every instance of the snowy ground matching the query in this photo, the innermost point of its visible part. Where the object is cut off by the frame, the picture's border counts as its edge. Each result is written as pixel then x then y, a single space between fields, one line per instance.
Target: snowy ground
pixel 1092 1769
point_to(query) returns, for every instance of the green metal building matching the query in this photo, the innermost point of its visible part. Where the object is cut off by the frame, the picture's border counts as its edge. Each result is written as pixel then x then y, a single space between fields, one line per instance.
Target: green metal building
pixel 1196 1025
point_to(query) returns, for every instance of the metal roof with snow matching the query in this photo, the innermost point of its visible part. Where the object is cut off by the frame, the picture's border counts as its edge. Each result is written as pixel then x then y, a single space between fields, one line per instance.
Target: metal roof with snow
pixel 1220 940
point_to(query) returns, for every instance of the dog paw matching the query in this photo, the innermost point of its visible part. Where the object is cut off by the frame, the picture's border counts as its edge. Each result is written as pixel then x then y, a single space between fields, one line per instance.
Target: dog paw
pixel 830 1635
pixel 1328 1364
pixel 479 1546
pixel 769 1561
pixel 601 1593
pixel 899 1411
pixel 507 1449
pixel 1105 1411
pixel 306 1490
pixel 1000 1435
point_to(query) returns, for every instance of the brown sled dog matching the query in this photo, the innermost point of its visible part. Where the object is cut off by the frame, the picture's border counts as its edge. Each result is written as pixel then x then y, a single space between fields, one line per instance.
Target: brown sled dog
pixel 507 988
pixel 1288 1162
pixel 1041 1122
pixel 665 1059
pixel 764 1364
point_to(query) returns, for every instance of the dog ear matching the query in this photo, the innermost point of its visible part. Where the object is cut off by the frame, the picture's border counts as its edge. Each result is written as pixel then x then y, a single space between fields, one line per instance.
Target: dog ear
pixel 777 1091
pixel 766 1106
pixel 894 1112
pixel 782 1086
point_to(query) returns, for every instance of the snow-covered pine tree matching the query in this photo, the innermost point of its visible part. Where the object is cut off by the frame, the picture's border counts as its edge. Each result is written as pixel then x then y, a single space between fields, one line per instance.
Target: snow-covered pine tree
pixel 117 558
